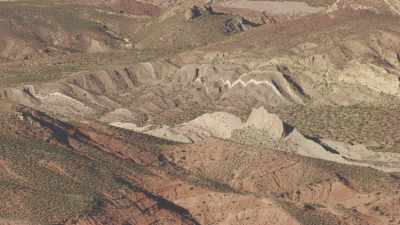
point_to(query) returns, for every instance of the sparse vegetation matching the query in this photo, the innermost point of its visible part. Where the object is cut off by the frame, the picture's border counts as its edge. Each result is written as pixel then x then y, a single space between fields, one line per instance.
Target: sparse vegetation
pixel 44 193
pixel 153 66
pixel 370 125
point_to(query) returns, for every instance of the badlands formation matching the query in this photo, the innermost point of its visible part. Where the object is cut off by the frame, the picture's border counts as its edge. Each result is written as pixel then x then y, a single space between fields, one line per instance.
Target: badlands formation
pixel 221 112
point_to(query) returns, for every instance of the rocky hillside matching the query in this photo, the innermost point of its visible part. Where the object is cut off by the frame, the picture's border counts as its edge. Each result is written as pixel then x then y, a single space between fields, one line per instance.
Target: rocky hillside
pixel 200 112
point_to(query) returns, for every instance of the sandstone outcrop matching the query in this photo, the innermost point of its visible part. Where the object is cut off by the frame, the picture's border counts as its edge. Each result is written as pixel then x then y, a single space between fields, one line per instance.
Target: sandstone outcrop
pixel 267 130
pixel 261 119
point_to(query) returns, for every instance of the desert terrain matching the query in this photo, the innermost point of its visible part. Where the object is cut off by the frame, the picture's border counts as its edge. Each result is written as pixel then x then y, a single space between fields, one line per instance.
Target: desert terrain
pixel 220 112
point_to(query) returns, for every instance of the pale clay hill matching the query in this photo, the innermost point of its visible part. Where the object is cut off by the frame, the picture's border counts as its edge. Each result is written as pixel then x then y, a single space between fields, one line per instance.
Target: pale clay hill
pixel 223 112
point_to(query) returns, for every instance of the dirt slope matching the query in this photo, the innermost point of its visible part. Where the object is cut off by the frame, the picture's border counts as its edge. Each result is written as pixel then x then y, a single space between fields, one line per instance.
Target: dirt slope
pixel 199 112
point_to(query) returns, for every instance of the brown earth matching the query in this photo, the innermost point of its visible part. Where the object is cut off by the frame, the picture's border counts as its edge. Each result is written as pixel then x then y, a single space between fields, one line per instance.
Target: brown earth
pixel 124 6
pixel 169 112
pixel 193 177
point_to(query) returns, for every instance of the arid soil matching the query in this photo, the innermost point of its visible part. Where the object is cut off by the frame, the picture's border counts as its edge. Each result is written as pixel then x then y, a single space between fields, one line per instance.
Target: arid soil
pixel 224 112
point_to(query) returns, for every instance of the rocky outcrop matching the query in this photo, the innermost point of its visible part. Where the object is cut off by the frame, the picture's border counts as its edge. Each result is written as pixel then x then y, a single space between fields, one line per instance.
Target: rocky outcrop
pixel 261 119
pixel 236 25
pixel 307 74
pixel 267 130
pixel 243 178
pixel 152 193
pixel 301 145
pixel 197 11
pixel 217 124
